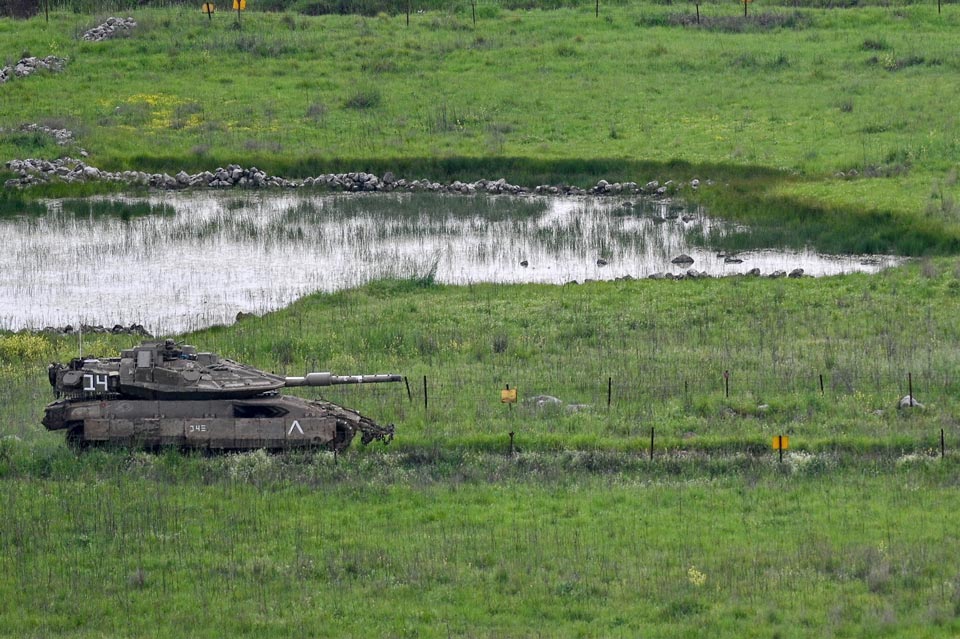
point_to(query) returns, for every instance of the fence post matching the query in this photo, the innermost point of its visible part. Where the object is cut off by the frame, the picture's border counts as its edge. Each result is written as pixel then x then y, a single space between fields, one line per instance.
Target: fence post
pixel 424 392
pixel 651 443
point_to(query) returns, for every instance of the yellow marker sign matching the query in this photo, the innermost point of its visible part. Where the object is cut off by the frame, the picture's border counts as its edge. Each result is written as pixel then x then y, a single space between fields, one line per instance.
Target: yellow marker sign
pixel 239 5
pixel 208 8
pixel 781 442
pixel 508 396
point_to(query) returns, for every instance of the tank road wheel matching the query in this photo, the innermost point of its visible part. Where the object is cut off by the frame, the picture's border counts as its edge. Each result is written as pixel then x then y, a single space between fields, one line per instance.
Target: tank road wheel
pixel 75 438
pixel 344 435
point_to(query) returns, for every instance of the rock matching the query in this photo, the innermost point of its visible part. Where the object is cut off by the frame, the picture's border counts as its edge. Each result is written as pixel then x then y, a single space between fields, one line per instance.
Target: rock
pixel 601 262
pixel 109 29
pixel 732 260
pixel 543 401
pixel 682 259
pixel 795 273
pixel 29 65
pixel 777 274
pixel 909 402
pixel 524 263
pixel 754 272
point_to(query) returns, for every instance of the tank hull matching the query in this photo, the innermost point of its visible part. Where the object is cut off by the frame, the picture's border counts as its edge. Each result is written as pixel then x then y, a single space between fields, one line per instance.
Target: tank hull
pixel 276 422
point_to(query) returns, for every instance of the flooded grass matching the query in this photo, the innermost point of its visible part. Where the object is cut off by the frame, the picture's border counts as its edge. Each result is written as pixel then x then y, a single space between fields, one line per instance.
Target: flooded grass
pixel 124 209
pixel 12 203
pixel 176 262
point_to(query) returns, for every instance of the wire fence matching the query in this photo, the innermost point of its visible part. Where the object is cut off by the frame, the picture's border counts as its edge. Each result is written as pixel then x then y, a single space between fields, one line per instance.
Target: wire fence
pixel 486 8
pixel 706 393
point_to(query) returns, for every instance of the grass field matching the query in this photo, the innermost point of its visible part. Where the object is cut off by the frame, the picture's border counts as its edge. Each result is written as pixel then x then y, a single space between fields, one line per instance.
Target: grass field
pixel 785 100
pixel 265 546
pixel 444 533
pixel 578 533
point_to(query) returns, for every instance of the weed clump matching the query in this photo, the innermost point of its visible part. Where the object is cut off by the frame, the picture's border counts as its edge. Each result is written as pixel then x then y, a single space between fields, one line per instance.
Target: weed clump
pixel 367 98
pixel 730 24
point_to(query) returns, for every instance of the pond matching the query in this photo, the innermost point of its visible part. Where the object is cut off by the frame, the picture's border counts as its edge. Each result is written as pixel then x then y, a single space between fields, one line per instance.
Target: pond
pixel 215 254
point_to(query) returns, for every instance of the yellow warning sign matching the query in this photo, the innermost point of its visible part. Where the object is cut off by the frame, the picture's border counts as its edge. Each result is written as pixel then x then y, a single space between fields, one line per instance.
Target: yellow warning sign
pixel 239 5
pixel 781 442
pixel 508 396
pixel 208 7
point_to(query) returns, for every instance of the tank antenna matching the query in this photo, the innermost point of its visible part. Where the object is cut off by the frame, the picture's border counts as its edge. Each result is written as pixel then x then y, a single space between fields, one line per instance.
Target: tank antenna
pixel 80 339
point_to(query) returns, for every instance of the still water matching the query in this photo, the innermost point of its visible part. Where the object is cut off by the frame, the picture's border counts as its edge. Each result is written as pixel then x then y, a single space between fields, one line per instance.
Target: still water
pixel 222 253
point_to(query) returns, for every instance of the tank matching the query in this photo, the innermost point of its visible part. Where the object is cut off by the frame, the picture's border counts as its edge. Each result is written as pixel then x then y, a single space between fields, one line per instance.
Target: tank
pixel 167 394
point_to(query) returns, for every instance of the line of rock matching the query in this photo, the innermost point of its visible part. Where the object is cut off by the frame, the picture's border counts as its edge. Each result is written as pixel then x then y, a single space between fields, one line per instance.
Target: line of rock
pixel 87 329
pixel 34 171
pixel 30 65
pixel 693 274
pixel 62 137
pixel 109 29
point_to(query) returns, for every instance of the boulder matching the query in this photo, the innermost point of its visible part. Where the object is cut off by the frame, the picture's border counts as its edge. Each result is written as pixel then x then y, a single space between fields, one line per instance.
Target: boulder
pixel 907 402
pixel 543 401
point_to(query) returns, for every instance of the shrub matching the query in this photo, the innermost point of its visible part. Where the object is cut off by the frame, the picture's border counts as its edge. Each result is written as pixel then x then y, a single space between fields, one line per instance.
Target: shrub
pixel 366 98
pixel 19 8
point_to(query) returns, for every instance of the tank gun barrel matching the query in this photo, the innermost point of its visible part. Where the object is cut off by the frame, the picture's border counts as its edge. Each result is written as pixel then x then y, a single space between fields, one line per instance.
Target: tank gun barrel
pixel 329 379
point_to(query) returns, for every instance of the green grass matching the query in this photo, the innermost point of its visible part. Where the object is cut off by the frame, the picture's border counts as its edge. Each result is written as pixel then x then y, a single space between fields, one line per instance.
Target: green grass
pixel 443 533
pixel 579 534
pixel 325 551
pixel 659 347
pixel 533 96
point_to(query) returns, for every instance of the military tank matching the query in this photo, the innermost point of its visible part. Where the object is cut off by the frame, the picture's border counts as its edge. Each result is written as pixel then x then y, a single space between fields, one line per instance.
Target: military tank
pixel 167 394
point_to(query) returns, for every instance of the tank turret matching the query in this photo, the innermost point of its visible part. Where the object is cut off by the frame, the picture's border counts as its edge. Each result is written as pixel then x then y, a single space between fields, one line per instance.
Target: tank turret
pixel 164 393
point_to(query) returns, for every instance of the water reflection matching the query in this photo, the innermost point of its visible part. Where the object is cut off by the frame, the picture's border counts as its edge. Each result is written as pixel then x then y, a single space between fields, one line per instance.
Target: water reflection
pixel 222 253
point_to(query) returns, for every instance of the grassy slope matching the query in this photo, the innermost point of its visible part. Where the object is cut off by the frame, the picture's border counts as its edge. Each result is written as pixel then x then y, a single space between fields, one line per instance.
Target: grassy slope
pixel 521 88
pixel 250 549
pixel 663 345
pixel 443 535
